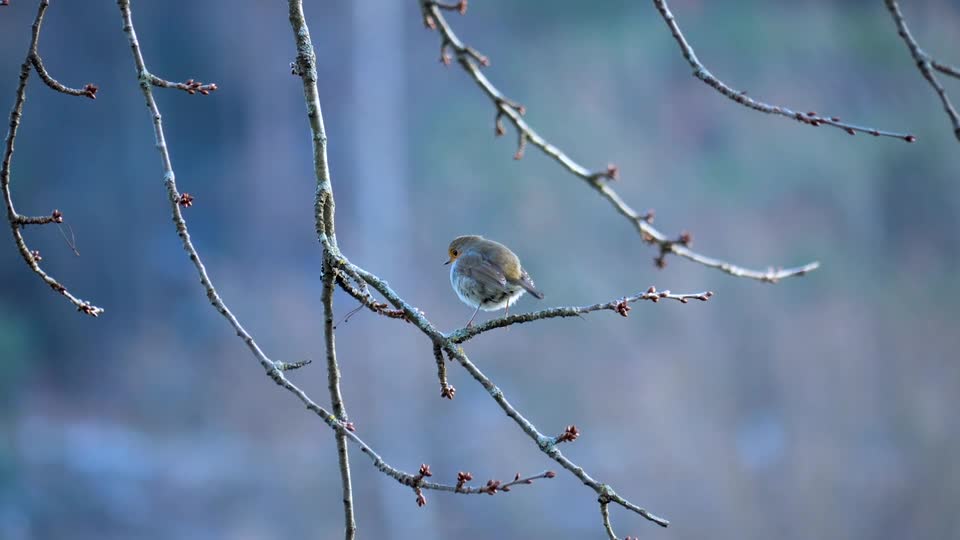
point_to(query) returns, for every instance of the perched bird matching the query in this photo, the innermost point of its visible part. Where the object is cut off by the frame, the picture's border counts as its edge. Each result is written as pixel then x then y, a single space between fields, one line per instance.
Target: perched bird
pixel 486 274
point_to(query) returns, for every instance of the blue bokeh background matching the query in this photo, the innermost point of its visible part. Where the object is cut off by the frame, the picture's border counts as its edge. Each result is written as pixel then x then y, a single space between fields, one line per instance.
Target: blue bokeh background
pixel 823 406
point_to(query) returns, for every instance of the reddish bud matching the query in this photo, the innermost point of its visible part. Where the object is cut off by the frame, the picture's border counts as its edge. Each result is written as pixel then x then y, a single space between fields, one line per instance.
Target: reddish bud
pixel 550 474
pixel 569 435
pixel 90 90
pixel 57 216
pixel 910 138
pixel 186 200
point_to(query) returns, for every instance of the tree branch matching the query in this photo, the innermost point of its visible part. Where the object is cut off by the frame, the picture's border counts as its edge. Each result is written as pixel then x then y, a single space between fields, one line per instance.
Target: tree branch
pixel 620 306
pixel 926 65
pixel 336 401
pixel 471 61
pixel 810 118
pixel 190 86
pixel 32 257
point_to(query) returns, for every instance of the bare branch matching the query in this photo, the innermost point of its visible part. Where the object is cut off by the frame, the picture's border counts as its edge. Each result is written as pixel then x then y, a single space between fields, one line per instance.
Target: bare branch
pixel 90 90
pixel 620 306
pixel 492 487
pixel 506 108
pixel 607 526
pixel 926 65
pixel 446 390
pixel 336 401
pixel 190 86
pixel 31 257
pixel 809 118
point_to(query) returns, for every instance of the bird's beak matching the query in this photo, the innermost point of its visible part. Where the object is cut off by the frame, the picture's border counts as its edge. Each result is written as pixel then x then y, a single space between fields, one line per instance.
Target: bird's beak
pixel 448 262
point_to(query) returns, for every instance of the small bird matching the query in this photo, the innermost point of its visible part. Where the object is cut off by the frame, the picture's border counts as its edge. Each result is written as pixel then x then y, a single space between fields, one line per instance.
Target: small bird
pixel 487 275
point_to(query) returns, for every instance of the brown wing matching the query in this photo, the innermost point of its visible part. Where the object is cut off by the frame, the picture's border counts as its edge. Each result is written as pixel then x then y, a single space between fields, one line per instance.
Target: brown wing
pixel 475 266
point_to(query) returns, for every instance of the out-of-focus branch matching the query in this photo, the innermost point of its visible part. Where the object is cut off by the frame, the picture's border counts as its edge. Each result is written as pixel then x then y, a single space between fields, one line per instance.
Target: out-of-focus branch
pixel 17 221
pixel 471 61
pixel 810 118
pixel 621 306
pixel 926 65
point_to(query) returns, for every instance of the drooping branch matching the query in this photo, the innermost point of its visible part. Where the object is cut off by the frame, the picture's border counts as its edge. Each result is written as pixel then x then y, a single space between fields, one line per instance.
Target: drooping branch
pixel 810 118
pixel 927 65
pixel 17 221
pixel 472 61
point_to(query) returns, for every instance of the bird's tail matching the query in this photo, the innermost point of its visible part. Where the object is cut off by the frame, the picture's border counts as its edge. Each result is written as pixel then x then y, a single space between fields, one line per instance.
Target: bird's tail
pixel 528 285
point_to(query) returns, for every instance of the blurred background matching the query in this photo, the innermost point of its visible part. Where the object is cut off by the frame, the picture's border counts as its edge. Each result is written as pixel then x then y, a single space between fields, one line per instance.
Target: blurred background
pixel 823 406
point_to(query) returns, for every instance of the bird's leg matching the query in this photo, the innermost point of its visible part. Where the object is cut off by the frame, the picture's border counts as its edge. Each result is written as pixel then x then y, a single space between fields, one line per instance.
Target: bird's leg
pixel 470 322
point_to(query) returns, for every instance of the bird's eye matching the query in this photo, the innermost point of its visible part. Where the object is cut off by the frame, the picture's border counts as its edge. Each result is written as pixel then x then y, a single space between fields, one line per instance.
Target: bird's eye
pixel 454 253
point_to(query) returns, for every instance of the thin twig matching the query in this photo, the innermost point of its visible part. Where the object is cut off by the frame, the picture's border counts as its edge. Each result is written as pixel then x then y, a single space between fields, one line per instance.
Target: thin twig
pixel 620 306
pixel 467 58
pixel 946 69
pixel 90 90
pixel 607 526
pixel 190 86
pixel 926 65
pixel 809 118
pixel 446 389
pixel 16 220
